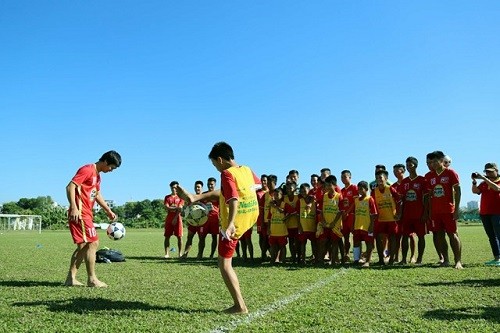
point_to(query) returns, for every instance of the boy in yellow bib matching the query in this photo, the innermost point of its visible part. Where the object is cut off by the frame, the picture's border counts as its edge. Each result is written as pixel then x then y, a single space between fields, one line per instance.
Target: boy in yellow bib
pixel 239 211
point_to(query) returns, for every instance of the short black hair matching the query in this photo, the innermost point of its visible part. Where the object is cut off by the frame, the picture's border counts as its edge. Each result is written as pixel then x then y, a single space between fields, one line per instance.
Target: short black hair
pixel 331 179
pixel 438 154
pixel 272 178
pixel 211 179
pixel 399 165
pixel 173 183
pixel 291 172
pixel 222 150
pixel 382 172
pixel 345 171
pixel 111 158
pixel 198 182
pixel 413 160
pixel 363 184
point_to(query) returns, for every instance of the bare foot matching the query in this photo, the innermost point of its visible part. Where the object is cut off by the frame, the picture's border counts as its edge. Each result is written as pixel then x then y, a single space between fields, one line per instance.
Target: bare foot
pixel 96 284
pixel 73 283
pixel 235 309
pixel 366 265
pixel 458 265
pixel 166 256
pixel 413 260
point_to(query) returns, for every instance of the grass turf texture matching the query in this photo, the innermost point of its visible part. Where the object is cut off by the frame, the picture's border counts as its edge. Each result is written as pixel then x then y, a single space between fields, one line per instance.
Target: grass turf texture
pixel 151 294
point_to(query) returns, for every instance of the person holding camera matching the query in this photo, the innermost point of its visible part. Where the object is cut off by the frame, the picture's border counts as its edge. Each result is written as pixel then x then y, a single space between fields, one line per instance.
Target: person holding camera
pixel 489 209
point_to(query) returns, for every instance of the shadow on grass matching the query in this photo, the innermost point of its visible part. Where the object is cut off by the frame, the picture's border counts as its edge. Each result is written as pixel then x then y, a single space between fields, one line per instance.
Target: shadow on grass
pixel 86 305
pixel 30 284
pixel 487 313
pixel 466 283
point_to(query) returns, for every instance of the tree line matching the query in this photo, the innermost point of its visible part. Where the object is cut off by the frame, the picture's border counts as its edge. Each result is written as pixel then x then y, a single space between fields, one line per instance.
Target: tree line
pixel 138 214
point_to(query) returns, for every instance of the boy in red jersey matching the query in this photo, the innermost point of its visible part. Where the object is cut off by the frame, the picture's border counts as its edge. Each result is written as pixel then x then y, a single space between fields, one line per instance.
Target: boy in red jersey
pixel 239 210
pixel 399 172
pixel 413 192
pixel 430 223
pixel 82 192
pixel 261 221
pixel 349 193
pixel 365 213
pixel 444 188
pixel 213 216
pixel 173 221
pixel 329 231
pixel 193 230
pixel 389 212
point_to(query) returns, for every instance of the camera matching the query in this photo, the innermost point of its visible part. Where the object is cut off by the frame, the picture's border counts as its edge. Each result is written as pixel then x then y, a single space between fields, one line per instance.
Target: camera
pixel 475 175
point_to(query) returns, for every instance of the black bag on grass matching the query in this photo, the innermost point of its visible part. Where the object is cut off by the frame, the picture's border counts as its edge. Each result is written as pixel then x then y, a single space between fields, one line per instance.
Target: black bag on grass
pixel 109 255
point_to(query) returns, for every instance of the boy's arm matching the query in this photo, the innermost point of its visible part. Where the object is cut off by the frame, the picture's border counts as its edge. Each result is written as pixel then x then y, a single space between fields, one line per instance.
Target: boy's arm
pixel 457 195
pixel 231 228
pixel 190 197
pixel 73 213
pixel 100 200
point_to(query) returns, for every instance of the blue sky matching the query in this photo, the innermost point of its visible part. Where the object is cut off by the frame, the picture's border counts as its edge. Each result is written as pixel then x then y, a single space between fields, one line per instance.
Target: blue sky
pixel 290 85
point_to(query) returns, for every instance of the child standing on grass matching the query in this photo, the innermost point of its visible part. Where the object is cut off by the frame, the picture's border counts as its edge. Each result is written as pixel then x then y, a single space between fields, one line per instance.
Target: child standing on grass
pixel 277 228
pixel 307 222
pixel 365 213
pixel 330 225
pixel 238 213
pixel 82 192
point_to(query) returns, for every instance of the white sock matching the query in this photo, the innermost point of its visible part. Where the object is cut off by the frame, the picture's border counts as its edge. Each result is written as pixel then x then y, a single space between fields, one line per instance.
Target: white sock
pixel 356 251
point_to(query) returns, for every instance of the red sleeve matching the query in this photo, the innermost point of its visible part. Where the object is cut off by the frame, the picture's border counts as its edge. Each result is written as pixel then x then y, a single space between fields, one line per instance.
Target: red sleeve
pixel 256 179
pixel 228 186
pixel 84 173
pixel 454 177
pixel 373 207
pixel 395 194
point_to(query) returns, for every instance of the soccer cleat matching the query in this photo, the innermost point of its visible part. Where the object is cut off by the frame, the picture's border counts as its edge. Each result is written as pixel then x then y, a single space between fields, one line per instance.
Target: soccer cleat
pixel 493 262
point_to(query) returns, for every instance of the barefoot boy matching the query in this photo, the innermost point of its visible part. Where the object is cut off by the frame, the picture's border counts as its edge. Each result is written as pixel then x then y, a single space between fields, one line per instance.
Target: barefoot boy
pixel 238 213
pixel 82 192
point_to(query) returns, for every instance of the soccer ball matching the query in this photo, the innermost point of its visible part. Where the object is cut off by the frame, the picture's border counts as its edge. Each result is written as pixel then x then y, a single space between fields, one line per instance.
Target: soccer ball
pixel 195 214
pixel 116 231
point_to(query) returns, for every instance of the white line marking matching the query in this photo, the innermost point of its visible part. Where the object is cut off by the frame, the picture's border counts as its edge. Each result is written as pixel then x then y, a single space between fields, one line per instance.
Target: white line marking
pixel 234 324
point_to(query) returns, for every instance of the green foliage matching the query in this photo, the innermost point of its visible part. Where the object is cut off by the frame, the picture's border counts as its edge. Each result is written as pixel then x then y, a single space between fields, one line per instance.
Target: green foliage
pixel 138 214
pixel 150 294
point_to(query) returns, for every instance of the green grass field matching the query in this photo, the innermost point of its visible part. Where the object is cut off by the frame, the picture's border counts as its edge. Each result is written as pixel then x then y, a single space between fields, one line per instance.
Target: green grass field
pixel 151 294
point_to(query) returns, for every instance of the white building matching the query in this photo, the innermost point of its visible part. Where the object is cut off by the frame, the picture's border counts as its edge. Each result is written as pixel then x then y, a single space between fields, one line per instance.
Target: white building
pixel 471 205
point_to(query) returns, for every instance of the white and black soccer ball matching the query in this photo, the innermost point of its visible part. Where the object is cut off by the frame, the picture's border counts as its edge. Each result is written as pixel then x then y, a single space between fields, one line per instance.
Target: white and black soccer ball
pixel 116 231
pixel 195 214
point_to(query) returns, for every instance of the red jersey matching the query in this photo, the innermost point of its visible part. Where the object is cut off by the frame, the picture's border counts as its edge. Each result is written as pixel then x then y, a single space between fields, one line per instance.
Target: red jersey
pixel 412 193
pixel 88 184
pixel 173 200
pixel 349 193
pixel 441 190
pixel 490 199
pixel 260 199
pixel 213 213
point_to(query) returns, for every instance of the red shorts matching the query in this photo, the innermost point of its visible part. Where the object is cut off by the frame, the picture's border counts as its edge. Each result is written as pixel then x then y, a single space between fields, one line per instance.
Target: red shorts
pixel 430 226
pixel 307 235
pixel 328 234
pixel 348 225
pixel 262 229
pixel 247 235
pixel 277 240
pixel 212 226
pixel 389 228
pixel 202 230
pixel 410 226
pixel 226 247
pixel 83 231
pixel 444 222
pixel 362 236
pixel 171 229
pixel 293 232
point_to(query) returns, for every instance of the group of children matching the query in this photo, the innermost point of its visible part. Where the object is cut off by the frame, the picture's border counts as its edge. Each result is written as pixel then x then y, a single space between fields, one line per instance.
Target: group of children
pixel 390 216
pixel 394 218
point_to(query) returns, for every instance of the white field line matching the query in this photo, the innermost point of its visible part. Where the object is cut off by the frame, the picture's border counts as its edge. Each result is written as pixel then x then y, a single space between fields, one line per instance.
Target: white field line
pixel 247 319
